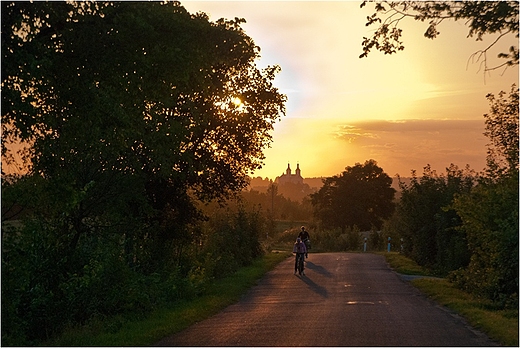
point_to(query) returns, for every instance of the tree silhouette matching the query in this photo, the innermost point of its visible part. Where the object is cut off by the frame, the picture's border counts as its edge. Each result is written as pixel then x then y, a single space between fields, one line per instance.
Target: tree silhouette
pixel 482 17
pixel 124 102
pixel 502 131
pixel 361 196
pixel 156 88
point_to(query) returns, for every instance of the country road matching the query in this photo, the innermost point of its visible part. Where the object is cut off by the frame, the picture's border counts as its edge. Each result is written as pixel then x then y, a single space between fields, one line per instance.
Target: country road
pixel 345 299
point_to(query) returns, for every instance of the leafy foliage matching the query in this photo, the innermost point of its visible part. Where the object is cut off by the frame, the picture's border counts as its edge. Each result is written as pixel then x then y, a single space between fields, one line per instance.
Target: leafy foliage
pixel 232 241
pixel 426 223
pixel 502 131
pixel 156 96
pixel 348 239
pixel 489 212
pixel 490 221
pixel 465 224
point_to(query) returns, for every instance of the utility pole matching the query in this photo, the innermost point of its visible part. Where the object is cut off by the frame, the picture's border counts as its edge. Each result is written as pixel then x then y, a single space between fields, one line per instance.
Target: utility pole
pixel 272 207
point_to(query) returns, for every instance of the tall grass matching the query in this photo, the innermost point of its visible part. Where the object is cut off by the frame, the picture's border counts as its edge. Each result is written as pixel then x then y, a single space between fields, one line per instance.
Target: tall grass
pixel 404 265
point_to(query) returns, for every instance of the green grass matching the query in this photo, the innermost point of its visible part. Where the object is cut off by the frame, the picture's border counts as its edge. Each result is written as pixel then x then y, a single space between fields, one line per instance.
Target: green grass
pixel 404 265
pixel 119 331
pixel 499 325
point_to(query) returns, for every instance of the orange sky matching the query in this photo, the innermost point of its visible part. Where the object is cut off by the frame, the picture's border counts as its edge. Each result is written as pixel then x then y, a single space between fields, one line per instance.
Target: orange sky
pixel 424 105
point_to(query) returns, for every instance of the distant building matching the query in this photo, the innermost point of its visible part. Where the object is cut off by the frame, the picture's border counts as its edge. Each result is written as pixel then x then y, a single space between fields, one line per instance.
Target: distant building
pixel 288 177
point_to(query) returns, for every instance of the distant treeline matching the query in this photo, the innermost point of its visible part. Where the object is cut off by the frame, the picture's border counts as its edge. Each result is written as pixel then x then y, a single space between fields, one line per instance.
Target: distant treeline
pixel 298 193
pixel 261 184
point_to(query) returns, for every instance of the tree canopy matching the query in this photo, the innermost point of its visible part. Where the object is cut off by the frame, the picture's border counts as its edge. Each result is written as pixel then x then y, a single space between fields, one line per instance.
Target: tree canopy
pixel 133 105
pixel 360 196
pixel 482 18
pixel 136 88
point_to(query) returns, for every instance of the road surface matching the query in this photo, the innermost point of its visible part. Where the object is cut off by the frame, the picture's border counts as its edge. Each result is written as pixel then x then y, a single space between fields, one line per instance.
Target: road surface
pixel 345 299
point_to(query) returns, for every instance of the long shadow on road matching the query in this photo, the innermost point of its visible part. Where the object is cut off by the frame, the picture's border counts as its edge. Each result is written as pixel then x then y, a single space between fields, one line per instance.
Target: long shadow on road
pixel 318 269
pixel 320 290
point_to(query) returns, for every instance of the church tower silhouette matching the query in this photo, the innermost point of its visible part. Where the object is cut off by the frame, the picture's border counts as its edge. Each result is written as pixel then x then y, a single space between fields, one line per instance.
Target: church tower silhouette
pixel 288 177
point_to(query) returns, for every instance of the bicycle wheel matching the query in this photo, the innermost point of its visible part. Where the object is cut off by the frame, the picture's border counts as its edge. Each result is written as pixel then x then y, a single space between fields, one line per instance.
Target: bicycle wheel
pixel 300 263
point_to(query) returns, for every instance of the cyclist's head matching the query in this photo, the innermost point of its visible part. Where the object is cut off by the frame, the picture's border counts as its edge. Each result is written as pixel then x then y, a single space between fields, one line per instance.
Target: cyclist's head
pixel 298 240
pixel 303 228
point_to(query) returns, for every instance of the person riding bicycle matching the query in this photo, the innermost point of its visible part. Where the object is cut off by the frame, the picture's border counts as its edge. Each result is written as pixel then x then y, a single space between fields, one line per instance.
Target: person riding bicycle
pixel 299 249
pixel 304 236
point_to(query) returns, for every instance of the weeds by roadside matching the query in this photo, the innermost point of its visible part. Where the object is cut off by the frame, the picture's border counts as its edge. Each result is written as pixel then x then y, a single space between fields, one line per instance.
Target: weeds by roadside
pixel 404 265
pixel 146 331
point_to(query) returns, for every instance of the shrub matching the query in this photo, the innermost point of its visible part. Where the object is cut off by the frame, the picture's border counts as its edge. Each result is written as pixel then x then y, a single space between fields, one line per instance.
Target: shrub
pixel 490 220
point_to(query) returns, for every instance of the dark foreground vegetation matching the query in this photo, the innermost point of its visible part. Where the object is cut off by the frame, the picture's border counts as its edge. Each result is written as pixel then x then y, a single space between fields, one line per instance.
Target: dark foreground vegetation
pixel 40 298
pixel 133 120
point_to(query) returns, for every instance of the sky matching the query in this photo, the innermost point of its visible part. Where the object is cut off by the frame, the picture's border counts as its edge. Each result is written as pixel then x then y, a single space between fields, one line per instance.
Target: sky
pixel 421 106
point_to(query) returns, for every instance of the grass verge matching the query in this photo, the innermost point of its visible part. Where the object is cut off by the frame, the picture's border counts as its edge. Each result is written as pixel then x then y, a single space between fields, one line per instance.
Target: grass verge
pixel 404 265
pixel 119 331
pixel 499 325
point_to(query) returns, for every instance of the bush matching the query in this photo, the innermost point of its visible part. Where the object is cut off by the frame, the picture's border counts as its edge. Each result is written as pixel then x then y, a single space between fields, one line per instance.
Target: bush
pixel 338 240
pixel 376 241
pixel 45 289
pixel 427 222
pixel 490 220
pixel 232 241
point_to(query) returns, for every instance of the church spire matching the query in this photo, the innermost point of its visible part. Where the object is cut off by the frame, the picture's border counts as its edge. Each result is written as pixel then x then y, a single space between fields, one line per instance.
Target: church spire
pixel 288 171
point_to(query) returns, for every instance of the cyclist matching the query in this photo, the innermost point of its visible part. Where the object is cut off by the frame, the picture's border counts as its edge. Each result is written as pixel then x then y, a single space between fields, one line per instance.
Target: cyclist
pixel 299 249
pixel 304 236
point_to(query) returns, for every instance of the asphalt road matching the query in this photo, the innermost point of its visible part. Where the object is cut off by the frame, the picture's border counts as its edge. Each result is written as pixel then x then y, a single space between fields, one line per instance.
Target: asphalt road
pixel 345 299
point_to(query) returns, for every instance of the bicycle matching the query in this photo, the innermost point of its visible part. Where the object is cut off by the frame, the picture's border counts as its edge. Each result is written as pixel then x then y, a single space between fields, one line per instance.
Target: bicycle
pixel 301 268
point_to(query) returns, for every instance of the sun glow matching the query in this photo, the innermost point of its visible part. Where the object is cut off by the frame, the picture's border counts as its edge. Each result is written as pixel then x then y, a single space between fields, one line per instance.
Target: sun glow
pixel 236 101
pixel 421 106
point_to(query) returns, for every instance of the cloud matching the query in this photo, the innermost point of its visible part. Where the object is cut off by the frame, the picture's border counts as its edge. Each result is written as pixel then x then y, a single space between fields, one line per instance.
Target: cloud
pixel 324 147
pixel 404 145
pixel 350 133
pixel 417 125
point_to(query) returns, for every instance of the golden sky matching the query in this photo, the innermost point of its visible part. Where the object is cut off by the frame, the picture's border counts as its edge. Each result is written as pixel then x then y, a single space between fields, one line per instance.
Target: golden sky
pixel 424 105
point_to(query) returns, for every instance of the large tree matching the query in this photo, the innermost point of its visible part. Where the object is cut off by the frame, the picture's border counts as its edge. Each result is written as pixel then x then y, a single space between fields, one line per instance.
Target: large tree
pixel 136 87
pixel 136 102
pixel 489 213
pixel 130 112
pixel 360 196
pixel 482 18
